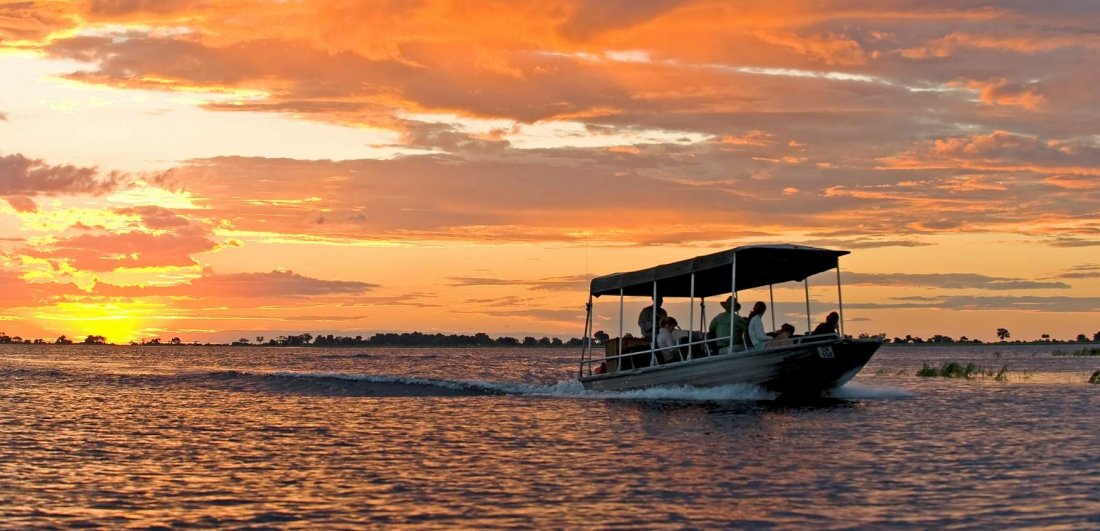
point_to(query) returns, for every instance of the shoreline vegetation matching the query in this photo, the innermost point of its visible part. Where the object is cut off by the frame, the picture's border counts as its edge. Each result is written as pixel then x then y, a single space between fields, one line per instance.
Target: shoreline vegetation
pixel 481 339
pixel 954 369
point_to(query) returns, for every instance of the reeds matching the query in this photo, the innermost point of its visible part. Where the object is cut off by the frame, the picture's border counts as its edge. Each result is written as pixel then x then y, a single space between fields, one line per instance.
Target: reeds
pixel 1095 378
pixel 1093 351
pixel 954 369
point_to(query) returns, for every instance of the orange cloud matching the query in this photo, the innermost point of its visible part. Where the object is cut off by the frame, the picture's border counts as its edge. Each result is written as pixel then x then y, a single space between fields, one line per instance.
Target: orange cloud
pixel 1028 44
pixel 20 176
pixel 22 204
pixel 273 285
pixel 829 48
pixel 1002 92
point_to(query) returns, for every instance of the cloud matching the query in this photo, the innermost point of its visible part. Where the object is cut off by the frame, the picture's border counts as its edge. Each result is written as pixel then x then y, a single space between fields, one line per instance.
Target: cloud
pixel 1002 92
pixel 20 176
pixel 20 293
pixel 985 303
pixel 129 7
pixel 31 20
pixel 571 283
pixel 1069 241
pixel 593 17
pixel 1026 43
pixel 1002 151
pixel 1082 271
pixel 107 251
pixel 948 281
pixel 155 217
pixel 22 204
pixel 828 48
pixel 867 243
pixel 276 285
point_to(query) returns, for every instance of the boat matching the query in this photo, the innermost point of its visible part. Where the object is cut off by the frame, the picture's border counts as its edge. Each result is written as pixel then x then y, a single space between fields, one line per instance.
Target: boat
pixel 804 365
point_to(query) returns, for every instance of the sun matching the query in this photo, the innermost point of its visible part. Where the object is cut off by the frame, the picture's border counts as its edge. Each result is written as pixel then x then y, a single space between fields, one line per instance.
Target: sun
pixel 119 322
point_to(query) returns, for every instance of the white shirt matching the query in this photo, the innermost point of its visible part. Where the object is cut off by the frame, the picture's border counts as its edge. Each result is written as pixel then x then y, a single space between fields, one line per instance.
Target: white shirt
pixel 666 339
pixel 756 332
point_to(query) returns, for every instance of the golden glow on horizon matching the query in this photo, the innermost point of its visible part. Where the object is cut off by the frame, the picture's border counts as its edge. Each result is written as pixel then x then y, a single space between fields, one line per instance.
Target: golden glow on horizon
pixel 119 322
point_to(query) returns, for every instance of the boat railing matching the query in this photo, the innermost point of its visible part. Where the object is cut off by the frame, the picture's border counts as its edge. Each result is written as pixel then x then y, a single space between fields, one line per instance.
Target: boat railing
pixel 687 354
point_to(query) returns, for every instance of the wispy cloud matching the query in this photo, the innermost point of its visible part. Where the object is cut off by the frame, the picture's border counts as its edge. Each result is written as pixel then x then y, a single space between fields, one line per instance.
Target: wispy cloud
pixel 949 281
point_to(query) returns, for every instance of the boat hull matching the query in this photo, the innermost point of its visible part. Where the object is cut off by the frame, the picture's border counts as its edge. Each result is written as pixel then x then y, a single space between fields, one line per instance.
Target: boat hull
pixel 795 369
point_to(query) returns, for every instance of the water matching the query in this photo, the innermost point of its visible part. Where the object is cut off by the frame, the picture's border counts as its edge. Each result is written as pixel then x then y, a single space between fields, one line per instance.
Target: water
pixel 269 438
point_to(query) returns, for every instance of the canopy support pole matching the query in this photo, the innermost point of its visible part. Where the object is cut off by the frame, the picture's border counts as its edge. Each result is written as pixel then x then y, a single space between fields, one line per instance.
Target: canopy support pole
pixel 733 305
pixel 702 316
pixel 653 329
pixel 620 326
pixel 839 299
pixel 691 315
pixel 771 296
pixel 806 283
pixel 587 349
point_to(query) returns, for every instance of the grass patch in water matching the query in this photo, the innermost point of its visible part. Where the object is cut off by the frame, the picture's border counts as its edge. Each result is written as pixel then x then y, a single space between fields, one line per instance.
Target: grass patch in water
pixel 1094 351
pixel 954 369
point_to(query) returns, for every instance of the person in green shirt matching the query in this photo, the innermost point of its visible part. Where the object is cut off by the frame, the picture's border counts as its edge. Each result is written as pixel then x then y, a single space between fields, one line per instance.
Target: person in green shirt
pixel 720 325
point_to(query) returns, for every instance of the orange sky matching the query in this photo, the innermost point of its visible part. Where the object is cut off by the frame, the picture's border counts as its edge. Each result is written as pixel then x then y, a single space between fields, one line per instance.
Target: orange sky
pixel 217 169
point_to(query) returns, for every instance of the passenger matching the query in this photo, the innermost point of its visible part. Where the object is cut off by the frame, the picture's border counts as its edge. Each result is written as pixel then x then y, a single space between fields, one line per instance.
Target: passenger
pixel 668 337
pixel 756 338
pixel 830 326
pixel 646 318
pixel 720 325
pixel 783 336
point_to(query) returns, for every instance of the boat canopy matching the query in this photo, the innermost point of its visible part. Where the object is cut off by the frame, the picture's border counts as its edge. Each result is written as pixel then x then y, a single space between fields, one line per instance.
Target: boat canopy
pixel 757 265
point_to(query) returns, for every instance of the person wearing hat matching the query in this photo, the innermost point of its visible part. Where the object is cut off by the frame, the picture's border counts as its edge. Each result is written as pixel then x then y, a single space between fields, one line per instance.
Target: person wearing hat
pixel 720 325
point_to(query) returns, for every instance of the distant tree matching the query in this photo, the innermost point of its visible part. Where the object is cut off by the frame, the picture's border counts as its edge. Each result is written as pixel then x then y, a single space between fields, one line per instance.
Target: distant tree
pixel 544 342
pixel 175 341
pixel 63 340
pixel 154 341
pixel 1003 334
pixel 259 339
pixel 1046 337
pixel 556 342
pixel 95 340
pixel 1096 337
pixel 5 339
pixel 1082 338
pixel 601 337
pixel 243 341
pixel 530 341
pixel 964 339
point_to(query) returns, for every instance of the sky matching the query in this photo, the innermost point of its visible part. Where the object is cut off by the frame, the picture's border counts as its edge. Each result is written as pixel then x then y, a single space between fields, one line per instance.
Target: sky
pixel 211 170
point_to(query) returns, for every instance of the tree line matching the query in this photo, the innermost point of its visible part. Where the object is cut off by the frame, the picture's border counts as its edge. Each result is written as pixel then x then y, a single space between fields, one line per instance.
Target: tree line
pixel 480 339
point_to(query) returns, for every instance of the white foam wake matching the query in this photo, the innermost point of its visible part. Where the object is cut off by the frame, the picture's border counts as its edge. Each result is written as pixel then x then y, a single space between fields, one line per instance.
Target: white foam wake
pixel 856 390
pixel 414 385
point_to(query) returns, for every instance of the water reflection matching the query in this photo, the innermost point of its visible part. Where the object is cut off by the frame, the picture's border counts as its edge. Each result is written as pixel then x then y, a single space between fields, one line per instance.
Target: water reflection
pixel 275 437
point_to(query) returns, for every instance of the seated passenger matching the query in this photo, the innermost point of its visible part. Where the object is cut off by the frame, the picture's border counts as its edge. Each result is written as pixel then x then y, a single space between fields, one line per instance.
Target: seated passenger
pixel 783 336
pixel 756 338
pixel 829 326
pixel 668 337
pixel 720 325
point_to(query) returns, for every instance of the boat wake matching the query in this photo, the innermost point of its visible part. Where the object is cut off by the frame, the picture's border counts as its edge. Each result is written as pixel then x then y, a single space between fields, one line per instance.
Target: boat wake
pixel 367 385
pixel 856 390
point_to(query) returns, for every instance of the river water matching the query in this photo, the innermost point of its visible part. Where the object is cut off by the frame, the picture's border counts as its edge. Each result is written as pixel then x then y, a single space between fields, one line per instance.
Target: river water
pixel 255 437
